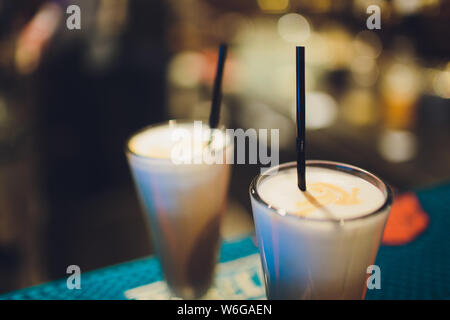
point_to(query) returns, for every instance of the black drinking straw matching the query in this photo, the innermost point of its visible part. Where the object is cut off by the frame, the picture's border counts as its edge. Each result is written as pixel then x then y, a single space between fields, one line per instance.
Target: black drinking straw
pixel 301 118
pixel 217 90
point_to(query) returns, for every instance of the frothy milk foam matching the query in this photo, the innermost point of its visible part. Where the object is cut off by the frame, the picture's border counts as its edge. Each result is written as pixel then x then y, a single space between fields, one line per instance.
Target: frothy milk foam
pixel 310 245
pixel 179 142
pixel 330 194
pixel 184 203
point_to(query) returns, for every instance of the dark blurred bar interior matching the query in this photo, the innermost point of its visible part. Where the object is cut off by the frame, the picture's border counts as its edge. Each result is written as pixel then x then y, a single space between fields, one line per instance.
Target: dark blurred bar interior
pixel 378 99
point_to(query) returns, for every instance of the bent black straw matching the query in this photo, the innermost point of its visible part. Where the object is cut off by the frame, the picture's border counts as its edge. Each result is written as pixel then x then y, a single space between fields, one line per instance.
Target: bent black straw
pixel 301 180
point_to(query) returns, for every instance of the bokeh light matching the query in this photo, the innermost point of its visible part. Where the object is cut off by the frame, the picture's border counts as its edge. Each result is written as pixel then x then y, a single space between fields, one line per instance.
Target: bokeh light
pixel 364 71
pixel 186 69
pixel 273 6
pixel 397 145
pixel 359 107
pixel 293 27
pixel 407 7
pixel 441 84
pixel 35 36
pixel 318 51
pixel 400 90
pixel 321 111
pixel 367 44
pixel 339 45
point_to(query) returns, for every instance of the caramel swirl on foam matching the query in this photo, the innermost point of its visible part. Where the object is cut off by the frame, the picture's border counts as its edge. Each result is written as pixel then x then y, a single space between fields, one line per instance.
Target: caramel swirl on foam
pixel 321 194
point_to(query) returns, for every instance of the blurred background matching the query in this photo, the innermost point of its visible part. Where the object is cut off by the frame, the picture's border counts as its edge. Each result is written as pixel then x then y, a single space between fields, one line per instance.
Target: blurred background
pixel 379 99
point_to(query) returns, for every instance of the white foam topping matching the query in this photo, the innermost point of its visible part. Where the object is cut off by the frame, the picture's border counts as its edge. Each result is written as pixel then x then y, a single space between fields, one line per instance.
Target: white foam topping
pixel 331 194
pixel 176 141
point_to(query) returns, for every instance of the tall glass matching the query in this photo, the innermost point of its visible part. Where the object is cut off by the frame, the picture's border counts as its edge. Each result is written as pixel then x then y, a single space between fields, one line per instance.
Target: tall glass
pixel 184 205
pixel 327 258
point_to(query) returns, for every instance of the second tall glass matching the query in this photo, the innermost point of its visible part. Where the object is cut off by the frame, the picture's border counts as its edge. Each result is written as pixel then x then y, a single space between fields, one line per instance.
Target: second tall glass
pixel 184 204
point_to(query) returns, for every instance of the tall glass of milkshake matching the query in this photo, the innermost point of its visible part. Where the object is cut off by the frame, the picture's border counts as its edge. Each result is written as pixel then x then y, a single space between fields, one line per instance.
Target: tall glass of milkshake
pixel 318 244
pixel 181 171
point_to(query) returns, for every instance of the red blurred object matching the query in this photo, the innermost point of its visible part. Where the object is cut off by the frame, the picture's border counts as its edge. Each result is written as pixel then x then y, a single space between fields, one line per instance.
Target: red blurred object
pixel 406 221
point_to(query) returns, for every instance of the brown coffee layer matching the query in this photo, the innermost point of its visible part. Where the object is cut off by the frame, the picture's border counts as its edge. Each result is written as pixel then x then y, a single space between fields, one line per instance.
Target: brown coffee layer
pixel 203 256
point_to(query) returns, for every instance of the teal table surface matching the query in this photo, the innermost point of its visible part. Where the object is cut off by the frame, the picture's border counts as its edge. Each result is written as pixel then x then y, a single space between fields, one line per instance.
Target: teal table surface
pixel 417 270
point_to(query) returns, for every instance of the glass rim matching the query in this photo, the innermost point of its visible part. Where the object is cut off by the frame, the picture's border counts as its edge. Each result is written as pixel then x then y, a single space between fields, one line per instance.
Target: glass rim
pixel 160 124
pixel 333 165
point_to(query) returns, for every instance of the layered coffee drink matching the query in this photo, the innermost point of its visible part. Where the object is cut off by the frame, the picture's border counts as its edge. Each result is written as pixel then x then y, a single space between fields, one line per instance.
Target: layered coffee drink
pixel 184 198
pixel 318 244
